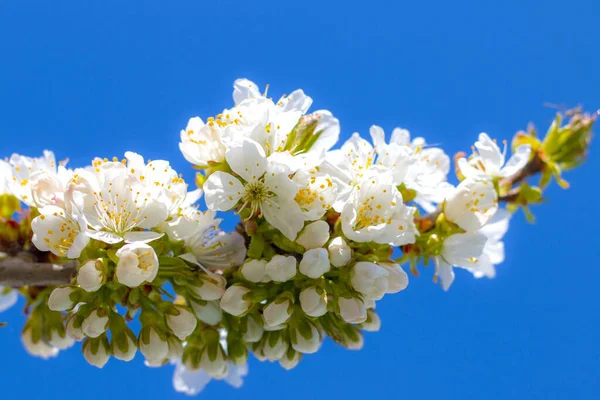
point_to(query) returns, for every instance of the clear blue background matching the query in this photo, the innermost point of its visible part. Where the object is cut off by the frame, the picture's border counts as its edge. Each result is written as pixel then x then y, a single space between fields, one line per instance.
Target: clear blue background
pixel 98 79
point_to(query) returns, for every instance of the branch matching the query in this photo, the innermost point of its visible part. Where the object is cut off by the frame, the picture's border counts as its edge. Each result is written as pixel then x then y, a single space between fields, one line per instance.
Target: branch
pixel 18 271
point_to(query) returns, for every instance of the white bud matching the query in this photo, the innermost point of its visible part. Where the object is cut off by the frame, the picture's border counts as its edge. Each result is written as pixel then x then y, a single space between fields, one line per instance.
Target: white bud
pixel 313 304
pixel 307 344
pixel 126 354
pixel 59 341
pixel 254 270
pixel 254 331
pixel 281 268
pixel 315 263
pixel 369 279
pixel 315 235
pixel 373 322
pixel 352 310
pixel 182 324
pixel 39 348
pixel 209 313
pixel 290 360
pixel 91 275
pixel 154 348
pixel 212 288
pixel 175 348
pixel 357 344
pixel 339 252
pixel 137 264
pixel 275 351
pixel 75 333
pixel 96 356
pixel 397 278
pixel 95 324
pixel 232 301
pixel 277 313
pixel 214 363
pixel 59 299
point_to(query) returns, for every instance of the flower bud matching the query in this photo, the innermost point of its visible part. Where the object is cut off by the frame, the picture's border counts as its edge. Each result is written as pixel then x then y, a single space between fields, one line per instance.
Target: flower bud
pixel 373 323
pixel 290 359
pixel 175 348
pixel 355 342
pixel 59 299
pixel 209 313
pixel 233 302
pixel 275 346
pixel 306 338
pixel 60 339
pixel 313 303
pixel 339 252
pixel 352 310
pixel 254 270
pixel 183 323
pixel 124 346
pixel 315 235
pixel 36 347
pixel 91 275
pixel 315 263
pixel 152 345
pixel 369 279
pixel 281 268
pixel 397 278
pixel 74 328
pixel 137 264
pixel 95 324
pixel 212 287
pixel 214 361
pixel 277 312
pixel 254 331
pixel 96 351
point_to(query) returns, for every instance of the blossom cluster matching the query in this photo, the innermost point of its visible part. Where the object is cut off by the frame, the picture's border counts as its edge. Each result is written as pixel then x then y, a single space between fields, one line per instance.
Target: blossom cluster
pixel 323 235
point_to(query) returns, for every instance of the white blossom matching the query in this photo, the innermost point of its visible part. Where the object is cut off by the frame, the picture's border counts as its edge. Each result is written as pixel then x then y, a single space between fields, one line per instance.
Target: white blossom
pixel 38 348
pixel 91 275
pixel 8 298
pixel 182 324
pixel 489 162
pixel 397 279
pixel 95 324
pixel 266 189
pixel 209 313
pixel 277 313
pixel 471 204
pixel 309 344
pixel 254 271
pixel 375 212
pixel 460 250
pixel 153 347
pixel 60 300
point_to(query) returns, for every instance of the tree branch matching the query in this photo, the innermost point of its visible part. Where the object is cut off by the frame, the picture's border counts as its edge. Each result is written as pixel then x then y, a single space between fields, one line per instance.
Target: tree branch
pixel 18 271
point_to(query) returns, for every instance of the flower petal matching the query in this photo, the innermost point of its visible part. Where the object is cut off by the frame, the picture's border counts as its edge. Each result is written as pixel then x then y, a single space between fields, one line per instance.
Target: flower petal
pixel 517 162
pixel 222 191
pixel 142 236
pixel 285 215
pixel 247 160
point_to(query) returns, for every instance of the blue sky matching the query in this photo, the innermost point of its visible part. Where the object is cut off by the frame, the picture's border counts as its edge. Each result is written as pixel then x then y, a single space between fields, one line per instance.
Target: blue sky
pixel 99 79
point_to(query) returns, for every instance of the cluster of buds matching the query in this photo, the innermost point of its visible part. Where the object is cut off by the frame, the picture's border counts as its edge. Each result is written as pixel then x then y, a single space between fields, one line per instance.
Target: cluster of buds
pixel 317 246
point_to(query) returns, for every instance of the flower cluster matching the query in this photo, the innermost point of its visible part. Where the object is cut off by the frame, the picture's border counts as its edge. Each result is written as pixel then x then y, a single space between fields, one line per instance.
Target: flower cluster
pixel 322 236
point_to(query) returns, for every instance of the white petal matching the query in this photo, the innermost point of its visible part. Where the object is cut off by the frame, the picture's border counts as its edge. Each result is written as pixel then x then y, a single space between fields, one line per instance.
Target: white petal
pixel 244 89
pixel 281 185
pixel 464 249
pixel 106 237
pixel 378 137
pixel 490 153
pixel 285 215
pixel 445 272
pixel 142 236
pixel 222 191
pixel 247 160
pixel 400 137
pixel 7 300
pixel 296 101
pixel 517 162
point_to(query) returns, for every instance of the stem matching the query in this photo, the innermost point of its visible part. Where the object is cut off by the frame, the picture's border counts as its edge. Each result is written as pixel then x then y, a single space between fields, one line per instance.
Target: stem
pixel 17 271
